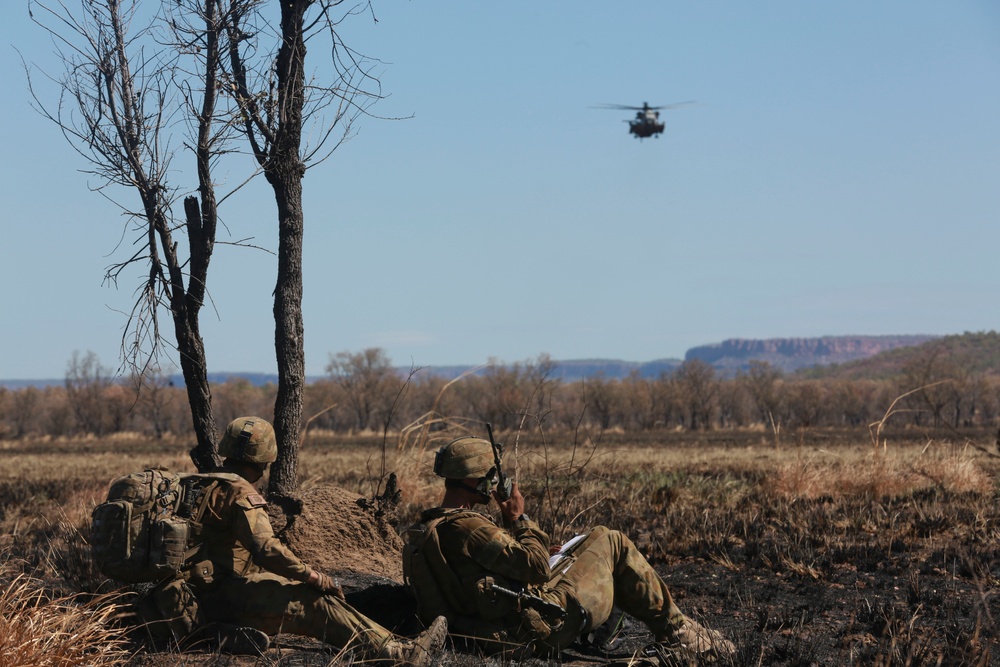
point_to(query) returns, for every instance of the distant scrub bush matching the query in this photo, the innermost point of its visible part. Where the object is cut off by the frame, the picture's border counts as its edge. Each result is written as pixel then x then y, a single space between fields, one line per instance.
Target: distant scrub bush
pixel 365 393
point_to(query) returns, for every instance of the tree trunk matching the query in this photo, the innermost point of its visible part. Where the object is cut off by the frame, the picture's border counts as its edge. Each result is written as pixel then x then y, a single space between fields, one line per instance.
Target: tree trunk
pixel 288 339
pixel 192 355
pixel 284 171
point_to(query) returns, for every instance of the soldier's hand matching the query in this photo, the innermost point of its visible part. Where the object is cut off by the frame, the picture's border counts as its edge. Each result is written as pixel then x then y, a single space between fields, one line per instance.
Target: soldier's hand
pixel 325 584
pixel 513 507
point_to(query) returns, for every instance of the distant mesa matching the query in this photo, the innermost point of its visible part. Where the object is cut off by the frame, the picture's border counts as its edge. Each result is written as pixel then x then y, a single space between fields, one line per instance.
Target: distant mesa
pixel 791 354
pixel 728 358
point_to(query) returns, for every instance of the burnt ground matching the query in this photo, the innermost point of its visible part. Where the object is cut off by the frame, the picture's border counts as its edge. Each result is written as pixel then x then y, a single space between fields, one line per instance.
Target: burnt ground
pixel 919 590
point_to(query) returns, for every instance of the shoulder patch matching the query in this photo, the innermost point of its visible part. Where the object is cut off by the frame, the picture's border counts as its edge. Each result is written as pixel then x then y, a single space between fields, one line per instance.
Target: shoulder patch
pixel 251 500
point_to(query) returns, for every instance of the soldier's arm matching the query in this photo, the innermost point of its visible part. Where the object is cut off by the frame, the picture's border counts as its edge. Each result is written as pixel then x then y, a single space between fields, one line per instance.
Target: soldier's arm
pixel 253 529
pixel 521 555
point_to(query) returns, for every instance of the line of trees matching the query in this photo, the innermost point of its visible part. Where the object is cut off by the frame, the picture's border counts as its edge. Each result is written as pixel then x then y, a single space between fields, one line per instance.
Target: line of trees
pixel 364 392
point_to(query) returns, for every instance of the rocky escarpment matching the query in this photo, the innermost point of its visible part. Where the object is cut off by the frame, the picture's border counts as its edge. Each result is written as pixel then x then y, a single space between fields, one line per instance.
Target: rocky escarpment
pixel 790 354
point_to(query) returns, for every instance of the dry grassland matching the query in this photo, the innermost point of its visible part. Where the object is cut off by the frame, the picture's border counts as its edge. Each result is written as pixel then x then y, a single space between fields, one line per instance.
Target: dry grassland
pixel 822 551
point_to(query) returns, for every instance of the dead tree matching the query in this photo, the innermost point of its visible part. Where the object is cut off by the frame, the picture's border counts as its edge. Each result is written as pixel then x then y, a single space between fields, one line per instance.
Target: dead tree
pixel 275 102
pixel 121 92
pixel 224 66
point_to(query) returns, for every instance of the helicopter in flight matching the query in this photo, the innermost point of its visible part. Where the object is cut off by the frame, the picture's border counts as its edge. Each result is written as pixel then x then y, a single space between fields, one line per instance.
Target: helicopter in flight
pixel 647 121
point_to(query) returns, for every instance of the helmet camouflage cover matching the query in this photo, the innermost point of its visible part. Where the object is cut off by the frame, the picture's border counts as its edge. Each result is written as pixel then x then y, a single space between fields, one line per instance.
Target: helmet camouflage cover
pixel 249 439
pixel 463 458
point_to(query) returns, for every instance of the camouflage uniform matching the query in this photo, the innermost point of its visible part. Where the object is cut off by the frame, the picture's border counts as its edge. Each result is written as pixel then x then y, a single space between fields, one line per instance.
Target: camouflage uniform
pixel 603 571
pixel 459 564
pixel 242 579
pixel 256 581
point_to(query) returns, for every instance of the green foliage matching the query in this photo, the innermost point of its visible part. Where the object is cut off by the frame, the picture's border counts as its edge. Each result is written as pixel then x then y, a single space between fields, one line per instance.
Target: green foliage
pixel 974 353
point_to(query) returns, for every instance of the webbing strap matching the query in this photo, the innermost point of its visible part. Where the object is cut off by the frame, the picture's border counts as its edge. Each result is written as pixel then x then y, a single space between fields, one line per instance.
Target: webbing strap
pixel 200 505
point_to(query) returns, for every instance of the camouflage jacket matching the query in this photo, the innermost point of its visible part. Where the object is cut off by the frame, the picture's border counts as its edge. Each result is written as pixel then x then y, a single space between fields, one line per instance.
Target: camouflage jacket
pixel 476 550
pixel 236 535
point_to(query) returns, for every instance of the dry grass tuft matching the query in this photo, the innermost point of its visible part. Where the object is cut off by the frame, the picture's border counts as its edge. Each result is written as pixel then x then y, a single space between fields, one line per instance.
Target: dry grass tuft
pixel 880 475
pixel 866 555
pixel 36 629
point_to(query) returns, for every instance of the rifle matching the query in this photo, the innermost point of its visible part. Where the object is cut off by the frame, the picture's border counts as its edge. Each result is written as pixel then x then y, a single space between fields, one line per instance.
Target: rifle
pixel 503 489
pixel 541 605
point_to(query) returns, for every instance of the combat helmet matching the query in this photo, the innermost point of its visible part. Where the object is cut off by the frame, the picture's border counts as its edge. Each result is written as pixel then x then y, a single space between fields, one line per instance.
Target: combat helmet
pixel 249 439
pixel 464 458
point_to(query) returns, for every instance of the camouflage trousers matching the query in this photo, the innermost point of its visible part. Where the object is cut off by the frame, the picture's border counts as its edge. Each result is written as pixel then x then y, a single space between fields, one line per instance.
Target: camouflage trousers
pixel 604 571
pixel 274 604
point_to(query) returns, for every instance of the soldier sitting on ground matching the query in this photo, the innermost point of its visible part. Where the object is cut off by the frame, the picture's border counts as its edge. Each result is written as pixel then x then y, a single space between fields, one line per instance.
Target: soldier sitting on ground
pixel 457 560
pixel 243 584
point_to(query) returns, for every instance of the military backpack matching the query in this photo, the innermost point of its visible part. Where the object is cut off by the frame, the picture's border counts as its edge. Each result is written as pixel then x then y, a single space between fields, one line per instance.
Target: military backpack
pixel 150 524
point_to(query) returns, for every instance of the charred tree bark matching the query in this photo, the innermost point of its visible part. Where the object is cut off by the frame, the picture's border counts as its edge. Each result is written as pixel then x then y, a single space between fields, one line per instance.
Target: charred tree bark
pixel 274 104
pixel 288 341
pixel 201 235
pixel 201 225
pixel 284 171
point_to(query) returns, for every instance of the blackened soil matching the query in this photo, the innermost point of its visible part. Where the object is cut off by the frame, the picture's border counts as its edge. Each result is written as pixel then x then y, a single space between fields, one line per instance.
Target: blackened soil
pixel 907 582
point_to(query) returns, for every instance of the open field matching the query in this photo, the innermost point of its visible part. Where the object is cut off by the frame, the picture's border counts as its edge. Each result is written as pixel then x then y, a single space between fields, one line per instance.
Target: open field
pixel 812 549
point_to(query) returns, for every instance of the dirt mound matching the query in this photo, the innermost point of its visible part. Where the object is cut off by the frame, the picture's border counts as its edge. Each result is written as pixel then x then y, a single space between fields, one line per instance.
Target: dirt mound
pixel 334 530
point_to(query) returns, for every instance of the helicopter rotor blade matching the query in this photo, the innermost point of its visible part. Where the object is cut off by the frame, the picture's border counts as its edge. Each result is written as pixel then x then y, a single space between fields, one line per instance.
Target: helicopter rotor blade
pixel 629 107
pixel 673 106
pixel 617 107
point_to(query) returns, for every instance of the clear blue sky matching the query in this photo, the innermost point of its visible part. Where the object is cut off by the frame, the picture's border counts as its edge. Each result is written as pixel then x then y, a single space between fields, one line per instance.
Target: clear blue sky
pixel 839 174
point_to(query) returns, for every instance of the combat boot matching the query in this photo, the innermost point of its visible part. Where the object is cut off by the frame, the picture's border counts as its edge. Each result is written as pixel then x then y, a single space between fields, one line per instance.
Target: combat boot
pixel 418 652
pixel 688 639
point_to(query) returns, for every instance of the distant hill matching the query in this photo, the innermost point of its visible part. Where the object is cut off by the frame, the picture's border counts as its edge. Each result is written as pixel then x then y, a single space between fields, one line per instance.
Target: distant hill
pixel 255 379
pixel 792 354
pixel 585 368
pixel 841 356
pixel 973 353
pixel 577 369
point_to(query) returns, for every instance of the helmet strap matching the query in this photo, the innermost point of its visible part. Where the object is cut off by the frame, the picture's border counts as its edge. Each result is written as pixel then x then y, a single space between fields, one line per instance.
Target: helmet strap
pixel 243 440
pixel 482 490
